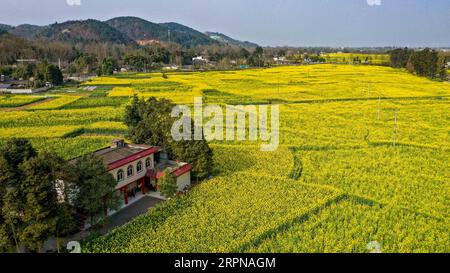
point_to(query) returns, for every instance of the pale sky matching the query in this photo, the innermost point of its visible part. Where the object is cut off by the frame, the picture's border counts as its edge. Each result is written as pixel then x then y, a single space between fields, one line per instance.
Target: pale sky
pixel 267 22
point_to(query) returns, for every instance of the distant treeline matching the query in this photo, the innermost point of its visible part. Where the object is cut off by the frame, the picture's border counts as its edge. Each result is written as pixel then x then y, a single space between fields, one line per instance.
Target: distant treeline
pixel 427 62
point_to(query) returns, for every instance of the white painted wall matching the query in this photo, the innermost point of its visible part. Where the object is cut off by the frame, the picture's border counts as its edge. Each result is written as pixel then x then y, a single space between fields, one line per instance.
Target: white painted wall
pixel 127 180
pixel 183 181
pixel 23 91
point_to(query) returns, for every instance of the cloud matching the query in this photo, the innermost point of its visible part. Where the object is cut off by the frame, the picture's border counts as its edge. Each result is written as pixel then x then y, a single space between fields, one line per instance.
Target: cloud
pixel 73 2
pixel 374 2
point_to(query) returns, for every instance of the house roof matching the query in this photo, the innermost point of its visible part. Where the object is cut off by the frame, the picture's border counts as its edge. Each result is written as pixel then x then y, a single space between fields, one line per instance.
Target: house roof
pixel 177 169
pixel 182 170
pixel 114 158
pixel 118 157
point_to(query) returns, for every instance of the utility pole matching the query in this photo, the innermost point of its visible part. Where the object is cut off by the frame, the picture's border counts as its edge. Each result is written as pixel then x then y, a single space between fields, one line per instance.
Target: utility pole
pixel 168 34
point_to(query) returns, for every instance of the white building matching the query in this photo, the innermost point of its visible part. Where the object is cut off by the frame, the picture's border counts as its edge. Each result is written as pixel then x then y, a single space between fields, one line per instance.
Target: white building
pixel 199 60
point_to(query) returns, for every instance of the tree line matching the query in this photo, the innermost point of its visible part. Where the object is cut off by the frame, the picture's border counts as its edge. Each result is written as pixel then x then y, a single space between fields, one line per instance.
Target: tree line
pixel 427 62
pixel 37 74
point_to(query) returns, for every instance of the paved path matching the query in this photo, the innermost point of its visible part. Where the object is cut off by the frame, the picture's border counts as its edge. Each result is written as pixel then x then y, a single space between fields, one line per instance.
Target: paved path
pixel 130 212
pixel 118 219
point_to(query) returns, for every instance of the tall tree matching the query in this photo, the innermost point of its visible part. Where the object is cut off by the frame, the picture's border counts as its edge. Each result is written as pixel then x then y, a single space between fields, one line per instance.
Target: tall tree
pixel 399 57
pixel 95 188
pixel 168 184
pixel 442 71
pixel 12 154
pixel 107 66
pixel 46 72
pixel 40 213
pixel 150 122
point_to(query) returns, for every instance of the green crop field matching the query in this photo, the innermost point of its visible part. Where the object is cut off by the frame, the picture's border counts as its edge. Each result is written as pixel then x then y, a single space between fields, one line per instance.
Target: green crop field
pixel 335 184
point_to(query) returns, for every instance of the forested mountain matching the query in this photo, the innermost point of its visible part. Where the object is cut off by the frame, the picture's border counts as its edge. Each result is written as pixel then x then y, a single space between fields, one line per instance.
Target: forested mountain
pixel 4 27
pixel 26 31
pixel 187 36
pixel 145 32
pixel 224 39
pixel 123 31
pixel 84 32
pixel 139 29
pixel 84 45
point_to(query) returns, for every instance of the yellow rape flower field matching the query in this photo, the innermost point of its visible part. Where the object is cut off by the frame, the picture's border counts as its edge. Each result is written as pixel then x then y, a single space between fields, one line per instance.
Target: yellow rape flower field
pixel 335 184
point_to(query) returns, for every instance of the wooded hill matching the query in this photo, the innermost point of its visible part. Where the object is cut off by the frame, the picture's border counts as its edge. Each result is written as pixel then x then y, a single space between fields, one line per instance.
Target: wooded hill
pixel 121 31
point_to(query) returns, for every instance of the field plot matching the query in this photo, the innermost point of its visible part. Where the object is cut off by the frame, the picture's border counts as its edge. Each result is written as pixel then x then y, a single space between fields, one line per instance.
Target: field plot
pixel 55 103
pixel 94 101
pixel 349 224
pixel 17 101
pixel 335 184
pixel 347 58
pixel 223 215
pixel 282 85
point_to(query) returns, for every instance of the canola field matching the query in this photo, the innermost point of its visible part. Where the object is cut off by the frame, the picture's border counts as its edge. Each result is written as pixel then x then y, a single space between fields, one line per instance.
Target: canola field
pixel 349 58
pixel 335 184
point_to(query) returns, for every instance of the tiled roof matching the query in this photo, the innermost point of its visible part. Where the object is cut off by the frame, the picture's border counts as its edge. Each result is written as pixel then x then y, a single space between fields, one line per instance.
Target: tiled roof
pixel 182 170
pixel 177 170
pixel 115 157
pixel 123 156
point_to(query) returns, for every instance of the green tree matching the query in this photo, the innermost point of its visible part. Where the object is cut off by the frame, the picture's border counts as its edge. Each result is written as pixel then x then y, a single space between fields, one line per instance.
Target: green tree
pixel 12 154
pixel 137 61
pixel 107 66
pixel 257 57
pixel 150 122
pixel 399 57
pixel 5 241
pixel 95 188
pixel 244 53
pixel 24 71
pixel 442 71
pixel 40 213
pixel 49 73
pixel 168 184
pixel 85 64
pixel 6 175
pixel 424 63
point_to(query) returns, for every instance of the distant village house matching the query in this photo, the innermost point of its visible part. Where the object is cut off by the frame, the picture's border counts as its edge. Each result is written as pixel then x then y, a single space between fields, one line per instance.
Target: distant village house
pixel 199 60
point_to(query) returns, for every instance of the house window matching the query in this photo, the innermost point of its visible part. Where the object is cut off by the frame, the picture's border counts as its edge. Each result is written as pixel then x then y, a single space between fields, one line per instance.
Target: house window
pixel 119 175
pixel 139 167
pixel 130 171
pixel 148 162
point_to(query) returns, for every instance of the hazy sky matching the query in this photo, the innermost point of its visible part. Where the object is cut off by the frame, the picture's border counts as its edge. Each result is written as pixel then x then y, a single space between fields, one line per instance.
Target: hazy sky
pixel 267 22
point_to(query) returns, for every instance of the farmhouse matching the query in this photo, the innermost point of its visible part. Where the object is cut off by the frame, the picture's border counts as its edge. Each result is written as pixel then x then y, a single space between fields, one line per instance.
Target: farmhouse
pixel 137 168
pixel 199 60
pixel 12 86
